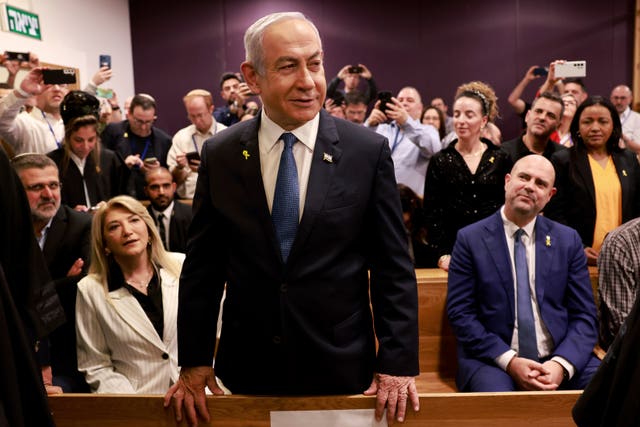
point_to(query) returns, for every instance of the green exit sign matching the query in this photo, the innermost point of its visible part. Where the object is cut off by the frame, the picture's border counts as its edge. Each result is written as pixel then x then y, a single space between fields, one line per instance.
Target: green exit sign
pixel 21 22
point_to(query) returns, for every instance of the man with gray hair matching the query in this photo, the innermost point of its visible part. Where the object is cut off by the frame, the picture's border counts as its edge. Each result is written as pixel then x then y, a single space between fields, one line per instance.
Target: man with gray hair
pixel 621 98
pixel 412 143
pixel 64 238
pixel 293 211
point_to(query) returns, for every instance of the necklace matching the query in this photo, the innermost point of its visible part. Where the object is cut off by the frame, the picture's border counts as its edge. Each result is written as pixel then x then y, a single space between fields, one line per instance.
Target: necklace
pixel 472 153
pixel 140 284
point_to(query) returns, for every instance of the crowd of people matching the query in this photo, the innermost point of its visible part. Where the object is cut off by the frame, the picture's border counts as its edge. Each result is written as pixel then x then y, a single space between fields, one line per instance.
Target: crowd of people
pixel 341 180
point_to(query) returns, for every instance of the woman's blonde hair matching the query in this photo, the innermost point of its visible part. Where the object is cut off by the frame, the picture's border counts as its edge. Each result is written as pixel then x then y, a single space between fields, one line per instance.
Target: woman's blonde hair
pixel 484 93
pixel 158 256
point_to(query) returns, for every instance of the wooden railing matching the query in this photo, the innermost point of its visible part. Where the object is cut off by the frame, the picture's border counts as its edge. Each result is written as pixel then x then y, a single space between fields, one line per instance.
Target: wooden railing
pixel 440 404
pixel 526 409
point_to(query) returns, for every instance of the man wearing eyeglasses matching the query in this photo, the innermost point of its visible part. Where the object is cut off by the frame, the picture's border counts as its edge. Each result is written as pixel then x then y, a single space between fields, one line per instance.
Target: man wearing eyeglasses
pixel 142 145
pixel 184 155
pixel 64 238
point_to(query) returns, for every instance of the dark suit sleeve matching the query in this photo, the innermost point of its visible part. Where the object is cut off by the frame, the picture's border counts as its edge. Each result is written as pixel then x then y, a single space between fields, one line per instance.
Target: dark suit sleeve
pixel 434 207
pixel 372 91
pixel 581 333
pixel 393 284
pixel 477 341
pixel 202 279
pixel 559 204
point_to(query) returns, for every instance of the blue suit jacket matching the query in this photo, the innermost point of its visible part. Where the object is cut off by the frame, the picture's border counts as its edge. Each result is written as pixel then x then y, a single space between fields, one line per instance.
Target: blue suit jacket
pixel 481 297
pixel 304 327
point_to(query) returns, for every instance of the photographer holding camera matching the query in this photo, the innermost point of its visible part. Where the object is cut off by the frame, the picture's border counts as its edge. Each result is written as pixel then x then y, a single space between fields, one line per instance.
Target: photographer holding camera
pixel 235 92
pixel 412 143
pixel 351 75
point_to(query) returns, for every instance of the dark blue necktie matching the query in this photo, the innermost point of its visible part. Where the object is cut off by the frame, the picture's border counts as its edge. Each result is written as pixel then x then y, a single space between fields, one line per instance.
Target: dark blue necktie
pixel 527 345
pixel 286 198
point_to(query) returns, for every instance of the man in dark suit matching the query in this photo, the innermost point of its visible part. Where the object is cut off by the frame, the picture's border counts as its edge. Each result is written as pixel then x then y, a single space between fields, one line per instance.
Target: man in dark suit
pixel 172 218
pixel 64 237
pixel 142 145
pixel 519 294
pixel 29 308
pixel 297 317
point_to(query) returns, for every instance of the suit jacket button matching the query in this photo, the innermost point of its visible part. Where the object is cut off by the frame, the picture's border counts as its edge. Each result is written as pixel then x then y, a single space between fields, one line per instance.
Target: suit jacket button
pixel 276 339
pixel 283 287
pixel 165 356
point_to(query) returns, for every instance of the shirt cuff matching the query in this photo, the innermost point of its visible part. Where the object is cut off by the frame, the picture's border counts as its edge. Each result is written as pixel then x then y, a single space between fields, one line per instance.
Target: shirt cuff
pixel 565 364
pixel 503 360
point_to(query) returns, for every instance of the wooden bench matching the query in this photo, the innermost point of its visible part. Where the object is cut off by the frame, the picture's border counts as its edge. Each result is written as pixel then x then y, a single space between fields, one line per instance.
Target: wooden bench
pixel 524 409
pixel 437 343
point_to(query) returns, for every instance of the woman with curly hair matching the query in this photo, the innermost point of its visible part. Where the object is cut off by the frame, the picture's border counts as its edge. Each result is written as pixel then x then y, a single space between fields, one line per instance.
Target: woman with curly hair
pixel 465 181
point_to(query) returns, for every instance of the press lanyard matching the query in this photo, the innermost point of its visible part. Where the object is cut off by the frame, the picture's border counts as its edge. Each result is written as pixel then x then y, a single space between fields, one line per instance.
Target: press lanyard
pixel 395 140
pixel 58 143
pixel 147 144
pixel 193 137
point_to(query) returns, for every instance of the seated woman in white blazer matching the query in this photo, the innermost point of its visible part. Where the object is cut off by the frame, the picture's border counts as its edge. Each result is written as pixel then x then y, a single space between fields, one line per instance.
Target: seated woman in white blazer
pixel 126 309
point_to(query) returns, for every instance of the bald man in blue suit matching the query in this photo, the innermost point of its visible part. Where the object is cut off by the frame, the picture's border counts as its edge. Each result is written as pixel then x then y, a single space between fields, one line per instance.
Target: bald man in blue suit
pixel 482 301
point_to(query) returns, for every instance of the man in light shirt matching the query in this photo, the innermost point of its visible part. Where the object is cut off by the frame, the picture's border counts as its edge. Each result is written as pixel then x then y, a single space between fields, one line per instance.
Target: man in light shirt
pixel 184 155
pixel 412 143
pixel 621 98
pixel 519 295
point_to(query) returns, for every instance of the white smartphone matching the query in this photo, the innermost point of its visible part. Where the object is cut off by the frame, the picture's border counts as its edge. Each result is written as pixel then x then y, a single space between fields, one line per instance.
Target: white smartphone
pixel 572 69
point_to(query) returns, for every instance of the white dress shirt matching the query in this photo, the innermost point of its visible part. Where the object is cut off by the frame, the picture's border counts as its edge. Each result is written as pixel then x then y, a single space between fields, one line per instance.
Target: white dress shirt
pixel 630 124
pixel 80 163
pixel 167 221
pixel 271 147
pixel 28 132
pixel 187 140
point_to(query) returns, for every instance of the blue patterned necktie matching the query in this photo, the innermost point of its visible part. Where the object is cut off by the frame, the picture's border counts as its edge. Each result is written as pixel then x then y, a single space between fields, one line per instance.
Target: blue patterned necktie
pixel 527 344
pixel 286 198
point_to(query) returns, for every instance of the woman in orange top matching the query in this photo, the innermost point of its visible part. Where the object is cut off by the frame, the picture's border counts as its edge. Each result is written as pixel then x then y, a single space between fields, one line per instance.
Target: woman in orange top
pixel 597 181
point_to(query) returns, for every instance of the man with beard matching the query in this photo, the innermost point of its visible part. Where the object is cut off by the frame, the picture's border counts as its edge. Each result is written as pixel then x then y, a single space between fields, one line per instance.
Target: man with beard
pixel 64 238
pixel 542 120
pixel 29 309
pixel 171 218
pixel 519 296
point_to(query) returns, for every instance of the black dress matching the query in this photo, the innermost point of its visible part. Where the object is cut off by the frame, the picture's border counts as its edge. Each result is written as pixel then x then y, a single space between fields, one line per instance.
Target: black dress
pixel 454 197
